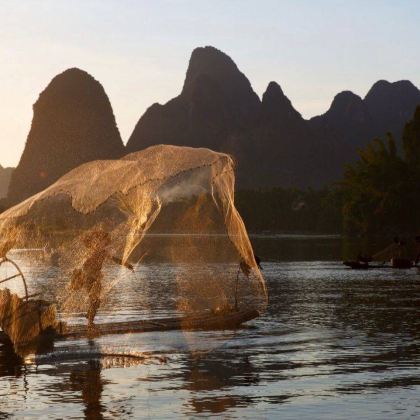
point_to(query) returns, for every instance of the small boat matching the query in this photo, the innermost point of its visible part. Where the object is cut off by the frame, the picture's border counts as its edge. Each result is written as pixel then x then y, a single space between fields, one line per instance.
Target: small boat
pixel 31 322
pixel 394 253
pixel 362 265
pixel 357 265
pixel 206 321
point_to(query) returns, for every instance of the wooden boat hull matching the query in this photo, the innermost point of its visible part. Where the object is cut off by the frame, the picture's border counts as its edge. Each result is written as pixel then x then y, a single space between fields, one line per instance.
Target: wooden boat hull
pixel 208 321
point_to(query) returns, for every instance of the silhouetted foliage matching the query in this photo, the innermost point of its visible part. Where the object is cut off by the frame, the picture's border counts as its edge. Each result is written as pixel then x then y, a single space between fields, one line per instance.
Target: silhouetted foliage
pixel 381 191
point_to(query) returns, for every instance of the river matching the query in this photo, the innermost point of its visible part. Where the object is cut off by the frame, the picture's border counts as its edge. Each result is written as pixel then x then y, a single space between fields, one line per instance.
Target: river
pixel 333 343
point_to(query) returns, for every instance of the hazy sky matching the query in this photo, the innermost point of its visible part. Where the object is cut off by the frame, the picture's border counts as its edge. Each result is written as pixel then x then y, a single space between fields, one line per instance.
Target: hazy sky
pixel 139 50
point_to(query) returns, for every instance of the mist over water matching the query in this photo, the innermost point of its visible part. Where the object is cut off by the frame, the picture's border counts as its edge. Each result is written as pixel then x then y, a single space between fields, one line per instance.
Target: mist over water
pixel 333 343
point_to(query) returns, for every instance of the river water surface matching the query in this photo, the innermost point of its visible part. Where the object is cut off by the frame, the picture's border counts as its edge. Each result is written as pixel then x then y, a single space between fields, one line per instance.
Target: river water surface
pixel 333 343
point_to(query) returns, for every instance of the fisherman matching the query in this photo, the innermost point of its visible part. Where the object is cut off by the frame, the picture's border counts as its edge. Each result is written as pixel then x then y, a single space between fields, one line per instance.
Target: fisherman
pixel 90 276
pixel 417 239
pixel 400 246
pixel 364 259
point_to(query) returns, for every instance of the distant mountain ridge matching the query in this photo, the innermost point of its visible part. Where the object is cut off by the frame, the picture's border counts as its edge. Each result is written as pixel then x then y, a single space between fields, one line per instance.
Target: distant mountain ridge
pixel 386 108
pixel 216 103
pixel 273 145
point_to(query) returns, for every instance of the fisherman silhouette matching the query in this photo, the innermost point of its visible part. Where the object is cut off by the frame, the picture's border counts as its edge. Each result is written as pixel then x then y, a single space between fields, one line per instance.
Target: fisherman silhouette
pixel 90 276
pixel 400 246
pixel 417 239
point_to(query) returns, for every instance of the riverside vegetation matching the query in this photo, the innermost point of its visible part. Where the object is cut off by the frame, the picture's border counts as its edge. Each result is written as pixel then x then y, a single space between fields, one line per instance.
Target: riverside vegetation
pixel 378 195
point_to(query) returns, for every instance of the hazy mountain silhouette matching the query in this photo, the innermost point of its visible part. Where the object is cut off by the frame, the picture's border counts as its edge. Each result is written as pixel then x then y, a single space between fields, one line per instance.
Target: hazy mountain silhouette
pixel 391 105
pixel 348 119
pixel 386 108
pixel 5 175
pixel 217 108
pixel 216 104
pixel 72 123
pixel 285 149
pixel 272 143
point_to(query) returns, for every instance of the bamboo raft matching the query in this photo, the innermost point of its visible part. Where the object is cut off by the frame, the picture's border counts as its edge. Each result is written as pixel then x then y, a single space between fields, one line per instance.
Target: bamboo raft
pixel 207 321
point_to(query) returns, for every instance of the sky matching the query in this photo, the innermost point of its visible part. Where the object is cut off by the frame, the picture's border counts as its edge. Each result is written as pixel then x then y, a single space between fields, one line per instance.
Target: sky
pixel 139 50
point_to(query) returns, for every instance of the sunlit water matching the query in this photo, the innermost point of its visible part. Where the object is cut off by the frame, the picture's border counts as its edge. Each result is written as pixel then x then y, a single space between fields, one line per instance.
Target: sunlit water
pixel 334 343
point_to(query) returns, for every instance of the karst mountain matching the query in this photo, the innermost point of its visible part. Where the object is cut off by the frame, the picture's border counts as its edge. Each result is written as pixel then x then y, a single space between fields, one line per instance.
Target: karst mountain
pixel 72 123
pixel 217 108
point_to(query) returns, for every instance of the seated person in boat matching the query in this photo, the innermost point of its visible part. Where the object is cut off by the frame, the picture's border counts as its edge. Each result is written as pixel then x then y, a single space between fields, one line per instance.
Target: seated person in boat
pixel 417 259
pixel 24 322
pixel 365 259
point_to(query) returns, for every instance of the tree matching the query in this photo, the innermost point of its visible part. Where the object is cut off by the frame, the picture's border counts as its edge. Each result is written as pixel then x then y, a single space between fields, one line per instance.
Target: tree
pixel 381 191
pixel 411 141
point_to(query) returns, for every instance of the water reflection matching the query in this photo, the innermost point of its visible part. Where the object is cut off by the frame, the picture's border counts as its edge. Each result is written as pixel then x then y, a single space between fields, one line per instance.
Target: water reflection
pixel 204 375
pixel 90 384
pixel 10 363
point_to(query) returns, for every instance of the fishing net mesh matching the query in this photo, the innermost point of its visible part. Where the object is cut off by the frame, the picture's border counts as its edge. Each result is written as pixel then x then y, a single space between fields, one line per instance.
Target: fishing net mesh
pixel 156 232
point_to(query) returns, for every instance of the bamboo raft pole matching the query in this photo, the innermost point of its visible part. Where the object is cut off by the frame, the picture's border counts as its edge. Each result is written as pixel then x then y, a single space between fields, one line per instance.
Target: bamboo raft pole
pixel 208 321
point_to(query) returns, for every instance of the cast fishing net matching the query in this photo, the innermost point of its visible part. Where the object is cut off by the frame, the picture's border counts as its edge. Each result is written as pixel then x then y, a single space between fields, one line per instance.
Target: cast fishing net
pixel 155 233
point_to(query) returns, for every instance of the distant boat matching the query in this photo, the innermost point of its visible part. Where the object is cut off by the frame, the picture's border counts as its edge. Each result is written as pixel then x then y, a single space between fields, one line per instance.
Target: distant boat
pixel 392 253
pixel 361 265
pixel 357 265
pixel 397 263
